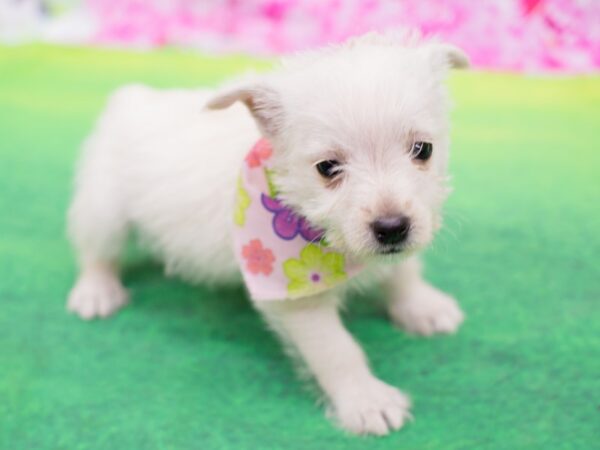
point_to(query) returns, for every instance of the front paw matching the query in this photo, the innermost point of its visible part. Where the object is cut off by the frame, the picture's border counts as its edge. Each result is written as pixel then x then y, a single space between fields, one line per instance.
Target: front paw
pixel 427 311
pixel 370 407
pixel 97 294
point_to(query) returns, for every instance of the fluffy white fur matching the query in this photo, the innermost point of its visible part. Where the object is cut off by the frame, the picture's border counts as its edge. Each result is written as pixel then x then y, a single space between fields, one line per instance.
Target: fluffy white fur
pixel 160 163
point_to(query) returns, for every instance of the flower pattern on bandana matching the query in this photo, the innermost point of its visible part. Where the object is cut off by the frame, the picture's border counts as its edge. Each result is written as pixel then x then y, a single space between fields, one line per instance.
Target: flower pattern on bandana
pixel 241 204
pixel 270 183
pixel 280 255
pixel 259 153
pixel 314 270
pixel 288 225
pixel 258 259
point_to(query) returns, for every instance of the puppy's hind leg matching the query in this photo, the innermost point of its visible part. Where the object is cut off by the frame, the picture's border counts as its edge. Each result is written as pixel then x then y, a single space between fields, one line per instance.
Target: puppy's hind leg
pixel 98 229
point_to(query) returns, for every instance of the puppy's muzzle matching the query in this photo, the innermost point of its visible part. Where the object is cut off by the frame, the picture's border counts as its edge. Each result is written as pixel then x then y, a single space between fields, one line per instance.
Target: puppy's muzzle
pixel 391 231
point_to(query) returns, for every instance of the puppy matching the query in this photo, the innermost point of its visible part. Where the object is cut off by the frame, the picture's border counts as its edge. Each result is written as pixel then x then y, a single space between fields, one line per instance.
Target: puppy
pixel 348 150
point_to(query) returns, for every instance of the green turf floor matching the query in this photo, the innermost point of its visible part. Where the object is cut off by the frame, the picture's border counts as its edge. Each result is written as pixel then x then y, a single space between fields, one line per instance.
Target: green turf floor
pixel 190 367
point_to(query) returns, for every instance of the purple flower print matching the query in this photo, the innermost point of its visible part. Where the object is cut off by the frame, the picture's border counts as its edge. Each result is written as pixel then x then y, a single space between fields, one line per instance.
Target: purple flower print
pixel 309 233
pixel 288 225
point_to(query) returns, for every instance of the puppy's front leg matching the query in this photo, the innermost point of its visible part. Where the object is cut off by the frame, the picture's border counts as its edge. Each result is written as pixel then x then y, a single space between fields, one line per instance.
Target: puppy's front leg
pixel 417 306
pixel 360 402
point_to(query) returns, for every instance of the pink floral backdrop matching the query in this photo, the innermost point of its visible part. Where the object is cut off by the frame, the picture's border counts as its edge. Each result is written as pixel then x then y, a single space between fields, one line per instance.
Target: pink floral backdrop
pixel 522 35
pixel 528 35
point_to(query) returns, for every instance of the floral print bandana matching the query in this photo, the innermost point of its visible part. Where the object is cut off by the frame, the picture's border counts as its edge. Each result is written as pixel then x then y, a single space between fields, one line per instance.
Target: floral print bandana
pixel 281 256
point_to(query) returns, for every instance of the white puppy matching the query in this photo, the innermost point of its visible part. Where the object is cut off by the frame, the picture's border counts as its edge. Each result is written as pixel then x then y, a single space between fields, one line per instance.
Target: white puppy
pixel 360 145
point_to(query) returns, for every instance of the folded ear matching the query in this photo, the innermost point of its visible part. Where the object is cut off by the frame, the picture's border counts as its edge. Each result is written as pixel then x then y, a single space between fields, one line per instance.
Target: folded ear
pixel 263 103
pixel 449 56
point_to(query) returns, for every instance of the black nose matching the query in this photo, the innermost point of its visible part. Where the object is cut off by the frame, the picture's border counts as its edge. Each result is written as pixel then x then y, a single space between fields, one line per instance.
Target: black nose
pixel 391 230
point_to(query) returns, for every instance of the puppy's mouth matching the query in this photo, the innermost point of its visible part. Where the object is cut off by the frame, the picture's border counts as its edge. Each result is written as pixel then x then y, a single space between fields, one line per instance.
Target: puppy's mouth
pixel 393 250
pixel 403 249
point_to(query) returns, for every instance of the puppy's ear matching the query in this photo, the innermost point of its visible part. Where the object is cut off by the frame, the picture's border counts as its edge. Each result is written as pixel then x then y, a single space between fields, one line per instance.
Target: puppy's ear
pixel 263 103
pixel 449 56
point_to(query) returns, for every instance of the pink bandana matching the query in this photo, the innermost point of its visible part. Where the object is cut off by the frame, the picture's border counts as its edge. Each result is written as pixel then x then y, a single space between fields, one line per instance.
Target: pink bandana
pixel 280 255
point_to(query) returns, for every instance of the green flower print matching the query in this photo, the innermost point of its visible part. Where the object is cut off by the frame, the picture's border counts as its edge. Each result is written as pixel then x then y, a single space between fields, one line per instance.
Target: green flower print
pixel 242 203
pixel 314 271
pixel 270 184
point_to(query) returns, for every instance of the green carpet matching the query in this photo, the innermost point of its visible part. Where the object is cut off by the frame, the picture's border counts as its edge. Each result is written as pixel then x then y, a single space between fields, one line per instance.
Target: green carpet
pixel 191 367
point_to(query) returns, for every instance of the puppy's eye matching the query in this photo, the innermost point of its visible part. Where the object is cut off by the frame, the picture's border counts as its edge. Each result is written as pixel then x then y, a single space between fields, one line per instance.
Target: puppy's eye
pixel 422 150
pixel 329 168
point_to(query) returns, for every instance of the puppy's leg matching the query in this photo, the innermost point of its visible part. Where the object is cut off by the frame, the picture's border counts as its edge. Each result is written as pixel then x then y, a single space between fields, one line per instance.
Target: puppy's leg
pixel 97 228
pixel 360 402
pixel 417 306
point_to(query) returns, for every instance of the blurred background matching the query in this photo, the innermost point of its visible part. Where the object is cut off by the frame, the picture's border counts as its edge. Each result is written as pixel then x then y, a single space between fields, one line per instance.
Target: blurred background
pixel 530 35
pixel 193 367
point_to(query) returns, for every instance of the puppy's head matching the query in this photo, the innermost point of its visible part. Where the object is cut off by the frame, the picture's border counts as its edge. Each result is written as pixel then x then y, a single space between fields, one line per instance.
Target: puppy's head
pixel 360 133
